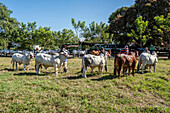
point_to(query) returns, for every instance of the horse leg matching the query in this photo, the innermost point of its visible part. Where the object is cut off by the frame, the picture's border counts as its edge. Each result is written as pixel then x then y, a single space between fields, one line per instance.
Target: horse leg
pixel 115 70
pixel 119 70
pixel 129 70
pixel 133 70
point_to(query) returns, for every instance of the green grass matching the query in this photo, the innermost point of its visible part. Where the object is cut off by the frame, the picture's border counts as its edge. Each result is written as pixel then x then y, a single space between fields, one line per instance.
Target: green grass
pixel 24 91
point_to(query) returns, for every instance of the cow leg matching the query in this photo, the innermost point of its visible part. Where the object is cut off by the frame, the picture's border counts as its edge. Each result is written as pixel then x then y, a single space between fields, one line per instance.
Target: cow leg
pixel 143 66
pixel 13 65
pixel 65 67
pixel 155 68
pixel 101 67
pixel 24 67
pixel 27 68
pixel 138 68
pixel 37 69
pixel 56 69
pixel 105 68
pixel 82 69
pixel 84 72
pixel 16 65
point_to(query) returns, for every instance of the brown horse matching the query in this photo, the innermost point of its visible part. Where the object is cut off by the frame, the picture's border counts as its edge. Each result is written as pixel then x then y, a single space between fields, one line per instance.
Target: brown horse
pixel 95 52
pixel 125 61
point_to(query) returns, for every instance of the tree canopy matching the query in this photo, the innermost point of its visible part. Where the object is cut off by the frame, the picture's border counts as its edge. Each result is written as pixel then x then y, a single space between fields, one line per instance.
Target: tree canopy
pixel 125 24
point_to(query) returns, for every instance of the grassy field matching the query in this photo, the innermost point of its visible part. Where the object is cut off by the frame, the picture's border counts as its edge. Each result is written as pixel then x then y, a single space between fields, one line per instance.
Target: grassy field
pixel 24 91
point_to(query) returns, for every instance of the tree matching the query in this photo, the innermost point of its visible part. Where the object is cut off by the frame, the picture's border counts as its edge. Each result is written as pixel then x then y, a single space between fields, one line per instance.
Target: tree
pixel 148 9
pixel 7 25
pixel 162 28
pixel 79 27
pixel 67 36
pixel 96 32
pixel 137 34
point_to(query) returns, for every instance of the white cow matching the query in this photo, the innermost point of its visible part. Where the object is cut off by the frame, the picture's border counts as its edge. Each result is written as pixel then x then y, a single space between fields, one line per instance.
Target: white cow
pixel 78 53
pixel 50 61
pixel 94 61
pixel 74 53
pixel 22 59
pixel 147 59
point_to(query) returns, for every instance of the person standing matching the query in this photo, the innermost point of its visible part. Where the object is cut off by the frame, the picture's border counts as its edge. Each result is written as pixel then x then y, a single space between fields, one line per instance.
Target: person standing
pixel 152 48
pixel 125 50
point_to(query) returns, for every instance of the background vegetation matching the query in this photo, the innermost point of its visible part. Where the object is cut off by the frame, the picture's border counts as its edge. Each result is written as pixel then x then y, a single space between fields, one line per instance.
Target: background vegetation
pixel 144 22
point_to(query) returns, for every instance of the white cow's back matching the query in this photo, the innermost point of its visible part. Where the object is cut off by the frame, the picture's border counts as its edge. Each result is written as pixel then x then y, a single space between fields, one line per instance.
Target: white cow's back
pixel 148 58
pixel 46 59
pixel 17 58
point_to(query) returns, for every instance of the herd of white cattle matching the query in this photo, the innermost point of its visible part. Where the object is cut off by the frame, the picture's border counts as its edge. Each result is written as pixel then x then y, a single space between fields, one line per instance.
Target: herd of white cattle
pixel 56 59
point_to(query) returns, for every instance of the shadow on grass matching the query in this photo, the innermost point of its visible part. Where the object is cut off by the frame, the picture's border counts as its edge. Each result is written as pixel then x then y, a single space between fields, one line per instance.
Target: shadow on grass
pixel 79 76
pixel 29 74
pixel 7 69
pixel 107 77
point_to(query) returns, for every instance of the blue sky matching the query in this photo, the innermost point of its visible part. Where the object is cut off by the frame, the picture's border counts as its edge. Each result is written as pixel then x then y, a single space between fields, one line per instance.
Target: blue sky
pixel 57 14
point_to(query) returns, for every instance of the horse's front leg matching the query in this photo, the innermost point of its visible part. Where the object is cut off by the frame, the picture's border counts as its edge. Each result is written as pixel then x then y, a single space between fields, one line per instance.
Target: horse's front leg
pixel 129 70
pixel 115 70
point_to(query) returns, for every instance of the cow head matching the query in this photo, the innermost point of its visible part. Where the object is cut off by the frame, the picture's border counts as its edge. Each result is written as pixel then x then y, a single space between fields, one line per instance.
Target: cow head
pixel 154 54
pixel 65 53
pixel 31 55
